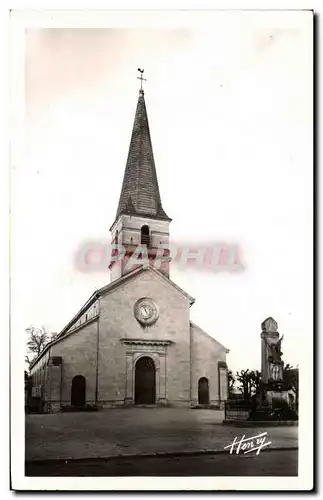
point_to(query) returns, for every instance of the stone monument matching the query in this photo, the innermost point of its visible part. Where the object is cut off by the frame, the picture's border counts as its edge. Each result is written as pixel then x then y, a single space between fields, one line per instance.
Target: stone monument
pixel 272 365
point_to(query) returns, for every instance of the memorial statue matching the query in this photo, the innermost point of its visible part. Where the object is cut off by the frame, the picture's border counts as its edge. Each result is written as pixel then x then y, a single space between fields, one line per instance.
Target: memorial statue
pixel 274 359
pixel 275 371
pixel 275 352
pixel 272 365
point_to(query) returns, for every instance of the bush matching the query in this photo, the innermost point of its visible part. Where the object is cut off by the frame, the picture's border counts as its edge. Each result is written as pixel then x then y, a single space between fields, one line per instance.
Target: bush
pixel 282 411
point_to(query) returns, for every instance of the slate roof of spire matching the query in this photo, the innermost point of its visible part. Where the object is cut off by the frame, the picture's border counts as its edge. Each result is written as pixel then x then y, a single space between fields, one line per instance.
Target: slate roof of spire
pixel 140 192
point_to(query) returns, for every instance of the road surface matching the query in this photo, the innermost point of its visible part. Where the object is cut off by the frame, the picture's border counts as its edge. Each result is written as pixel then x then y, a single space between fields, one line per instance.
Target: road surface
pixel 267 463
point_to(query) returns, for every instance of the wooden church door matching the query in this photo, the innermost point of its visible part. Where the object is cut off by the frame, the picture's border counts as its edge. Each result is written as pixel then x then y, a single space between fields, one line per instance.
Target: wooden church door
pixel 145 381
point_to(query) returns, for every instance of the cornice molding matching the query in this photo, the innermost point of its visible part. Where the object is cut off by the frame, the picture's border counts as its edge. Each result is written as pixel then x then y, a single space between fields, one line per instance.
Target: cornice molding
pixel 146 342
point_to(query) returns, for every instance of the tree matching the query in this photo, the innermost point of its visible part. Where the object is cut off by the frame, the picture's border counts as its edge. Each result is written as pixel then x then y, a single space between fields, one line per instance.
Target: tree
pixel 37 341
pixel 290 377
pixel 250 381
pixel 255 381
pixel 231 382
pixel 244 379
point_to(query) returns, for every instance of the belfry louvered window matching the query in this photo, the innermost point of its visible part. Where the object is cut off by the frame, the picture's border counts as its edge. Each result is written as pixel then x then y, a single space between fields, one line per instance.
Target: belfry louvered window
pixel 145 236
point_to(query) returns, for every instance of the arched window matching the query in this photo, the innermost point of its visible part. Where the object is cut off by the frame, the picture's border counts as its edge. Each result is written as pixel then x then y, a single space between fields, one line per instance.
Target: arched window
pixel 116 238
pixel 145 236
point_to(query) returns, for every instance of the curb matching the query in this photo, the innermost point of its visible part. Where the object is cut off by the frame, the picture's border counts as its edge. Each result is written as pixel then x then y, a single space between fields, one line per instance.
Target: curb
pixel 261 423
pixel 58 461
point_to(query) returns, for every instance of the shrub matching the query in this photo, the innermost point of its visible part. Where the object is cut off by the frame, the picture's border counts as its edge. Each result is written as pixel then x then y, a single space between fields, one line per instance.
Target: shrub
pixel 282 411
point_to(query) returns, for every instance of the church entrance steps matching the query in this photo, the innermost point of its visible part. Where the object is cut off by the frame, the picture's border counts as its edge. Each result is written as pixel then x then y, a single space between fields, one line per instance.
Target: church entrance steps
pixel 138 431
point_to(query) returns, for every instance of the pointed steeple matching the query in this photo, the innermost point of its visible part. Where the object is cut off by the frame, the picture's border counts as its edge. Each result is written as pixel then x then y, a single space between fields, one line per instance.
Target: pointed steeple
pixel 140 192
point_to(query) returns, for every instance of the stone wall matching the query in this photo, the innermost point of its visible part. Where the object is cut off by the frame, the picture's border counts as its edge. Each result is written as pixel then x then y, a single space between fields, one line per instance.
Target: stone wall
pixel 79 353
pixel 206 353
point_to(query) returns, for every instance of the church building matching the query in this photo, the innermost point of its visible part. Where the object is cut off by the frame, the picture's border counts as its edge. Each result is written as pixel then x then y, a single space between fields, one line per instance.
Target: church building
pixel 132 342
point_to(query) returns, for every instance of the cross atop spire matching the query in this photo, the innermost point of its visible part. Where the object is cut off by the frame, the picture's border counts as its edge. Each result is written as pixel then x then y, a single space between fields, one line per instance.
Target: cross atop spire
pixel 141 78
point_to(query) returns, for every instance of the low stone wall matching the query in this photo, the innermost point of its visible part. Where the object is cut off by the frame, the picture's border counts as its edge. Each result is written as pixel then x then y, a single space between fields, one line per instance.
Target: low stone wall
pixel 206 407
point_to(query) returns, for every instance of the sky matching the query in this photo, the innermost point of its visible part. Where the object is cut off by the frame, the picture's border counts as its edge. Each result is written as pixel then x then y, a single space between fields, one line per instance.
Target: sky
pixel 230 112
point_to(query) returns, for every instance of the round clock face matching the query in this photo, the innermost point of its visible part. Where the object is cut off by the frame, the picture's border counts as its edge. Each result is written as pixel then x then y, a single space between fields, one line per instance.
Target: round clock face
pixel 146 311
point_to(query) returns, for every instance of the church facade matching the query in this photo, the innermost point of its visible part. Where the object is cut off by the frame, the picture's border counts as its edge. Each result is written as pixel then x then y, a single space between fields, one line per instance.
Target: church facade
pixel 133 342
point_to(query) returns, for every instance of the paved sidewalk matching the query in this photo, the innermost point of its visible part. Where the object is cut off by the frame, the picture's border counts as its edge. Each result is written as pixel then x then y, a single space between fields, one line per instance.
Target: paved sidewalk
pixel 137 431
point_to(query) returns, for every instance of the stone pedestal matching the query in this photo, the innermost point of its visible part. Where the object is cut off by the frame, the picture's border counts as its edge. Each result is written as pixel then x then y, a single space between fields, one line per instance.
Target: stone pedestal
pixel 277 395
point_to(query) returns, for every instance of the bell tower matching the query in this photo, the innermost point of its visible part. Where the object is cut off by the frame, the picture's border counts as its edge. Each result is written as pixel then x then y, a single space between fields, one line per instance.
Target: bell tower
pixel 141 222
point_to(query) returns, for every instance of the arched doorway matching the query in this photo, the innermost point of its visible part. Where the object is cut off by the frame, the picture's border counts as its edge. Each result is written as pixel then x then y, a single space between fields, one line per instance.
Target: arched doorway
pixel 203 391
pixel 78 391
pixel 145 381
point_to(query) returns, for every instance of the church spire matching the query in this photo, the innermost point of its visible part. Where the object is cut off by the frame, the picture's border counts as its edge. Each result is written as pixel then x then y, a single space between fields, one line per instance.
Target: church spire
pixel 140 192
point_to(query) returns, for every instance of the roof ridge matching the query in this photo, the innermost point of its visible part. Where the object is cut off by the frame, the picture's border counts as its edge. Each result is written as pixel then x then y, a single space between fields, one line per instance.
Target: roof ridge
pixel 95 295
pixel 208 335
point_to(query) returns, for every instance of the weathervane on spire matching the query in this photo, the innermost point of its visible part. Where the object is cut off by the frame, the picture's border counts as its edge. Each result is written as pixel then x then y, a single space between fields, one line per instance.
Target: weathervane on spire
pixel 141 78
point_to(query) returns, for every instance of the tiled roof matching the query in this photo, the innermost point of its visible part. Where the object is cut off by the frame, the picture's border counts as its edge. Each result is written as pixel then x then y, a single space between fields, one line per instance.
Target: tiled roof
pixel 140 192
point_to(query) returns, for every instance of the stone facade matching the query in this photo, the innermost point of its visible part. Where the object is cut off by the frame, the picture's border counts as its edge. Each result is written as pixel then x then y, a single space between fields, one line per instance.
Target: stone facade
pixel 206 354
pixel 106 349
pixel 117 322
pixel 78 351
pixel 111 353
